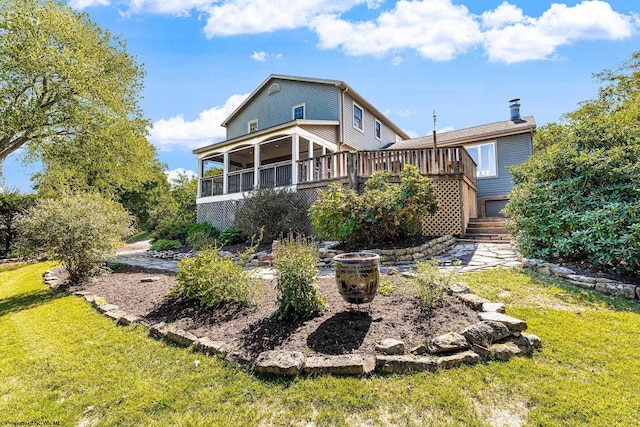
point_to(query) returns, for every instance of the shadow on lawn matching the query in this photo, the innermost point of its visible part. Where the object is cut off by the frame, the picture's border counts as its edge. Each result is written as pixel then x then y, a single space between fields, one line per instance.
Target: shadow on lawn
pixel 26 301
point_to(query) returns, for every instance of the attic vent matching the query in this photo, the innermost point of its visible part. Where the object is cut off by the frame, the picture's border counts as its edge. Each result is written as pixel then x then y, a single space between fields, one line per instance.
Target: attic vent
pixel 274 88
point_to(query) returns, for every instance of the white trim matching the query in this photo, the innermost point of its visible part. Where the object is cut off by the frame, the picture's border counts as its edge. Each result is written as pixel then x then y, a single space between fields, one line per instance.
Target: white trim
pixel 353 117
pixel 304 111
pixel 495 157
pixel 249 123
pixel 377 122
pixel 234 196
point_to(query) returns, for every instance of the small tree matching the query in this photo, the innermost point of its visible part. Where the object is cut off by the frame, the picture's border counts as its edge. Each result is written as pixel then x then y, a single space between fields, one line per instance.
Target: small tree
pixel 81 230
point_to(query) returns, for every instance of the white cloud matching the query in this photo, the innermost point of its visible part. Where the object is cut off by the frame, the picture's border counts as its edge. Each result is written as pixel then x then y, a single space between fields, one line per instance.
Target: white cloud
pixel 264 56
pixel 176 132
pixel 438 30
pixel 513 37
pixel 174 175
pixel 397 60
pixel 83 4
pixel 445 129
pixel 263 16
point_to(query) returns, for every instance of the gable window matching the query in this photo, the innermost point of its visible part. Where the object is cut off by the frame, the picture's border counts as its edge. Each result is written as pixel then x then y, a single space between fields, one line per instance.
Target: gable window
pixel 274 88
pixel 252 126
pixel 485 157
pixel 357 117
pixel 378 129
pixel 298 112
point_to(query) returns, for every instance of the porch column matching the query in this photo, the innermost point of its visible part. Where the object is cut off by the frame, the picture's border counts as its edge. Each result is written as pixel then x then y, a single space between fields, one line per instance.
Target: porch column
pixel 256 166
pixel 200 171
pixel 225 173
pixel 312 166
pixel 295 142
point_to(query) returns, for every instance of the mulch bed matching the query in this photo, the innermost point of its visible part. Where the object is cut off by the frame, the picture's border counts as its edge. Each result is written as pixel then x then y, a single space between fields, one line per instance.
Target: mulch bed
pixel 342 329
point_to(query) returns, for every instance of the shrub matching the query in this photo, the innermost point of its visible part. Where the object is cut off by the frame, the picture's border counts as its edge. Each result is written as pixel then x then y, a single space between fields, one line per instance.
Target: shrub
pixel 385 211
pixel 165 245
pixel 202 235
pixel 430 282
pixel 296 272
pixel 81 230
pixel 214 279
pixel 275 211
pixel 230 236
pixel 177 230
pixel 12 203
pixel 578 197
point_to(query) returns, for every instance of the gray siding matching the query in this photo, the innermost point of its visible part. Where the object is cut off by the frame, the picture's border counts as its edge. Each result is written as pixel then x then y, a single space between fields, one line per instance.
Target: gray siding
pixel 322 102
pixel 366 139
pixel 328 133
pixel 511 150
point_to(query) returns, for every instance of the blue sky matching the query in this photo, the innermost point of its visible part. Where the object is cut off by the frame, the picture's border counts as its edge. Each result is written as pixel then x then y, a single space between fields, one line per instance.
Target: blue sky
pixel 463 59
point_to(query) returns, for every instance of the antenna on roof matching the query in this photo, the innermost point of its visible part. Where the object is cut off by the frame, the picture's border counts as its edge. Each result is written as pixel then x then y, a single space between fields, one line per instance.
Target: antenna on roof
pixel 435 145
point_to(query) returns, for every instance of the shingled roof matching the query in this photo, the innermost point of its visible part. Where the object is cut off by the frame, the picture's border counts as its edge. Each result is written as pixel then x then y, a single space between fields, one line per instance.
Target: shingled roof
pixel 473 134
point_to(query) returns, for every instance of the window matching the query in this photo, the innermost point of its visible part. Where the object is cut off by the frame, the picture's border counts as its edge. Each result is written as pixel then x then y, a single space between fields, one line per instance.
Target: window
pixel 274 88
pixel 253 126
pixel 357 117
pixel 378 129
pixel 298 112
pixel 485 157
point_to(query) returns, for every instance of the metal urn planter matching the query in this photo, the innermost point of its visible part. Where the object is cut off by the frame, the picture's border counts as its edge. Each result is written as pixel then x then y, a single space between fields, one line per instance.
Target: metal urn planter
pixel 357 276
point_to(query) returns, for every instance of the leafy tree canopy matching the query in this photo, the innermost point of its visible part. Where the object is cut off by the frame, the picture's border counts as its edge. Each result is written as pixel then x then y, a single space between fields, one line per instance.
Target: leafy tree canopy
pixel 69 94
pixel 578 196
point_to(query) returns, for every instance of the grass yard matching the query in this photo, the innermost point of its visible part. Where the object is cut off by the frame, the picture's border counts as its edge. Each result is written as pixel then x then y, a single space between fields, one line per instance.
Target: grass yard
pixel 62 363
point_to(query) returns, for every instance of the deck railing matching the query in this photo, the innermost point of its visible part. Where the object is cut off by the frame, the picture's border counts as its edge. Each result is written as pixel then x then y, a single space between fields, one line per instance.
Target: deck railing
pixel 443 161
pixel 346 166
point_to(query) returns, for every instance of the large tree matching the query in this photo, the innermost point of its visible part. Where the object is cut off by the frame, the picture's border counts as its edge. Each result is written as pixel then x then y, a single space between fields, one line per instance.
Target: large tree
pixel 69 93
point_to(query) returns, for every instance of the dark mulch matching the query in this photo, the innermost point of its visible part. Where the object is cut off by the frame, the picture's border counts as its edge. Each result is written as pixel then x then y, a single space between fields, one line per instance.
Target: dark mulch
pixel 585 268
pixel 340 330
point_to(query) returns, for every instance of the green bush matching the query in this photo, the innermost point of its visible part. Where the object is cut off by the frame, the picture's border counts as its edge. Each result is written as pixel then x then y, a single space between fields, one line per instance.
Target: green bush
pixel 177 230
pixel 165 245
pixel 386 210
pixel 80 230
pixel 202 235
pixel 275 211
pixel 296 271
pixel 430 282
pixel 214 279
pixel 12 203
pixel 577 198
pixel 230 236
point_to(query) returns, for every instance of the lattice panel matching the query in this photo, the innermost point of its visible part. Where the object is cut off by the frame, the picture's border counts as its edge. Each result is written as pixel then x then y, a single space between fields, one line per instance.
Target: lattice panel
pixel 448 217
pixel 218 214
pixel 308 196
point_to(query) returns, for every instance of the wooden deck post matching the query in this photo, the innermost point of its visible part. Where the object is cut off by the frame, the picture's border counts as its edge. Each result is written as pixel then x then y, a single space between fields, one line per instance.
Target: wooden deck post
pixel 352 170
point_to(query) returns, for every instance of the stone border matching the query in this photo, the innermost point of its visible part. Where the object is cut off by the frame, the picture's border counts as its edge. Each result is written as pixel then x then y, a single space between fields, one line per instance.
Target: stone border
pixel 598 284
pixel 495 336
pixel 388 257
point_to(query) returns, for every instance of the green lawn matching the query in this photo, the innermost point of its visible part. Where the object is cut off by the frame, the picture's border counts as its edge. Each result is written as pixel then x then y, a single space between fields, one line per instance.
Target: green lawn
pixel 61 361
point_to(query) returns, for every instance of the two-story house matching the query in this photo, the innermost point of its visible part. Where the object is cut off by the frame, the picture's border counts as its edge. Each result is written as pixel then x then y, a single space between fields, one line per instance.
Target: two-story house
pixel 302 133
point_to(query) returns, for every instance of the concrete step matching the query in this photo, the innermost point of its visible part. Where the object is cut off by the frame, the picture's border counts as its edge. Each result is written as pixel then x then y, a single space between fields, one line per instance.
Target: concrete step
pixel 485 228
pixel 486 220
pixel 497 242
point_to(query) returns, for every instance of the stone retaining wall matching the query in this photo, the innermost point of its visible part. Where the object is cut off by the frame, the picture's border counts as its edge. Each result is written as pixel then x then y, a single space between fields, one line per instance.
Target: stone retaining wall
pixel 599 284
pixel 495 336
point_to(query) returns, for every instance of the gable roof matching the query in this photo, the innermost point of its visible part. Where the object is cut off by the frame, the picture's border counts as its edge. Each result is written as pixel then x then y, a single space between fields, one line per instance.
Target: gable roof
pixel 337 83
pixel 473 134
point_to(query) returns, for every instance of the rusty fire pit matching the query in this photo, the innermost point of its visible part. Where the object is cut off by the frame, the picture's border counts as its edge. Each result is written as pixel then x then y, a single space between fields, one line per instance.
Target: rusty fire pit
pixel 357 276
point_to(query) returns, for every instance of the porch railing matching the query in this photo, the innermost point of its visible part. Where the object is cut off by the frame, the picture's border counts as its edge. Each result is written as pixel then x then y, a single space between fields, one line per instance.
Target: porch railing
pixel 322 168
pixel 276 174
pixel 211 186
pixel 443 161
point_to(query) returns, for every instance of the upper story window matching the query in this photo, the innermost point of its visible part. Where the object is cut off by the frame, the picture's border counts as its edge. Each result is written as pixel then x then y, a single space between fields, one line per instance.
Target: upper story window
pixel 274 88
pixel 357 117
pixel 378 129
pixel 485 157
pixel 298 112
pixel 252 126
